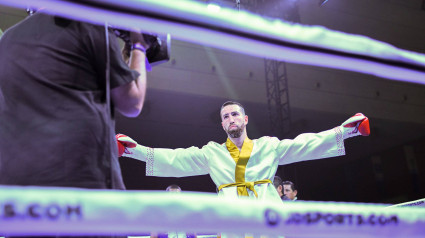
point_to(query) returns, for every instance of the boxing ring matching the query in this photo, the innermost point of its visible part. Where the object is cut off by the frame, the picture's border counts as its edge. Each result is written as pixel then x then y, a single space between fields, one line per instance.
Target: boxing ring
pixel 65 211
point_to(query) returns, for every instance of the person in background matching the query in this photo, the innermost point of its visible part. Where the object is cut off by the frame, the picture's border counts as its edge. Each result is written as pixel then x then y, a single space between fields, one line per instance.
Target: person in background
pixel 277 183
pixel 173 188
pixel 289 191
pixel 285 189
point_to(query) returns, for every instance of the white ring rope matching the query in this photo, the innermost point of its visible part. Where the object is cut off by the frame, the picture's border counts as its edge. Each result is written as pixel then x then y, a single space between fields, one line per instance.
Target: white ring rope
pixel 416 203
pixel 246 33
pixel 68 211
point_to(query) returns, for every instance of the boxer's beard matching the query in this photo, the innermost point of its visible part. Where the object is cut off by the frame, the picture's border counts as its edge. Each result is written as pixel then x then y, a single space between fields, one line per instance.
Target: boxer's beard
pixel 237 132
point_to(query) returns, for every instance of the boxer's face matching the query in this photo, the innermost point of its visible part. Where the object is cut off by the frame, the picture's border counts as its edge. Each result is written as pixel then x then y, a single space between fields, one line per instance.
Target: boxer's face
pixel 233 120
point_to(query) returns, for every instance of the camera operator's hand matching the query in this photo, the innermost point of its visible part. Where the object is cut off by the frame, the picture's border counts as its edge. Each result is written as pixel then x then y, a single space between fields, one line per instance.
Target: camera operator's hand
pixel 136 37
pixel 133 38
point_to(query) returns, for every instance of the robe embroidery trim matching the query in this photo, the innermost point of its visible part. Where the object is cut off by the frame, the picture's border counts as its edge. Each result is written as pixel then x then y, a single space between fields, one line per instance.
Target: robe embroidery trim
pixel 150 161
pixel 339 140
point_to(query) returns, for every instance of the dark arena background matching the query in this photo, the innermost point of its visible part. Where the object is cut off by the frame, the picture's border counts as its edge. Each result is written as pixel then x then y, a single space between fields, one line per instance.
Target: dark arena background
pixel 185 94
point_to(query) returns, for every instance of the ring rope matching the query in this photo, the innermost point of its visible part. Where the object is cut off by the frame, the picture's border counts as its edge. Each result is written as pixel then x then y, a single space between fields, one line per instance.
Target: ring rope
pixel 72 211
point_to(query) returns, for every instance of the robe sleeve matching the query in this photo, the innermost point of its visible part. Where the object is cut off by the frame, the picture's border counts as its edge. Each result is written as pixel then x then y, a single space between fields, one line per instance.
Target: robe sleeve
pixel 171 162
pixel 311 146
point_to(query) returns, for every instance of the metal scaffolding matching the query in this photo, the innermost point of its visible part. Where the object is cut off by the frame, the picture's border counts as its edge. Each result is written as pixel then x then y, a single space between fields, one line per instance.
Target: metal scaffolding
pixel 277 97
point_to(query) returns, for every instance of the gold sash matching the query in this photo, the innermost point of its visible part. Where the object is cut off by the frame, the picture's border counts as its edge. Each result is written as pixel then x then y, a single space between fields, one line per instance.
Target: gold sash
pixel 241 159
pixel 244 186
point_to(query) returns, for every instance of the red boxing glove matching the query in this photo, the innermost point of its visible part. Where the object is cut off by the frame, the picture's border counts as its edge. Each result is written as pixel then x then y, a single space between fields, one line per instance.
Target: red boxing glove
pixel 123 143
pixel 121 149
pixel 356 125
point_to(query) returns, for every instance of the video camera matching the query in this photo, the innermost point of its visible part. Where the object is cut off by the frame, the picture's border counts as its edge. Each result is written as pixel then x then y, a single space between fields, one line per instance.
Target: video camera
pixel 157 53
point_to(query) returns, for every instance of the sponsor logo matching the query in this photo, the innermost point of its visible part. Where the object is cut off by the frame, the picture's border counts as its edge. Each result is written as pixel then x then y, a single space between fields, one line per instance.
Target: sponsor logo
pixel 341 219
pixel 51 211
pixel 272 217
